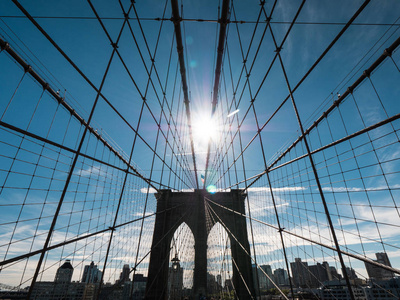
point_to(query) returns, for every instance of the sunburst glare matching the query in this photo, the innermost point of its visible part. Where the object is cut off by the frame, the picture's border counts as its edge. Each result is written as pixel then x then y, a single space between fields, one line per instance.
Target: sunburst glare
pixel 205 128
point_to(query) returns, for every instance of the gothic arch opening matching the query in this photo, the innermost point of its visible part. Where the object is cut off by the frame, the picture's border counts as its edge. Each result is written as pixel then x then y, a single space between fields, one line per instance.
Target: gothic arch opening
pixel 181 263
pixel 219 262
pixel 190 207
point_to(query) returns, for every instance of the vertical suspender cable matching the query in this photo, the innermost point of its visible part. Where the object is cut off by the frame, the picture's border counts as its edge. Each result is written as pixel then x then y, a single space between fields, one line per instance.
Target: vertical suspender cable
pixel 223 21
pixel 179 46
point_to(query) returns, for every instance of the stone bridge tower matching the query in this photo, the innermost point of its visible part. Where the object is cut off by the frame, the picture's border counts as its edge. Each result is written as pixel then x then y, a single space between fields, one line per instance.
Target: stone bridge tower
pixel 174 208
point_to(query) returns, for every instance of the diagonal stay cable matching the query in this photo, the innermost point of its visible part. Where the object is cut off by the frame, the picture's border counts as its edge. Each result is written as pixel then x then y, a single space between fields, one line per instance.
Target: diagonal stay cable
pixel 244 67
pixel 356 256
pixel 305 76
pixel 26 13
pixel 82 237
pixel 150 81
pixel 247 82
pixel 152 57
pixel 50 142
pixel 134 82
pixel 211 215
pixel 247 74
pixel 4 45
pixel 71 171
pixel 117 284
pixel 386 53
pixel 243 248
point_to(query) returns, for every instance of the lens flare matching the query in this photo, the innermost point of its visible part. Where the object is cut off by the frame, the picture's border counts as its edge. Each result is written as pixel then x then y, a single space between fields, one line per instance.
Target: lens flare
pixel 212 189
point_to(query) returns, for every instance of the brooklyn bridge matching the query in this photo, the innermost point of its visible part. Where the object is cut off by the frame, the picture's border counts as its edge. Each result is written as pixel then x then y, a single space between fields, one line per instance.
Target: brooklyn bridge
pixel 186 149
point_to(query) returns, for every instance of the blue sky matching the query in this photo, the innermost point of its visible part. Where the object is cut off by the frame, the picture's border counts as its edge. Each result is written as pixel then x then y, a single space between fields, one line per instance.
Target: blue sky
pixel 359 178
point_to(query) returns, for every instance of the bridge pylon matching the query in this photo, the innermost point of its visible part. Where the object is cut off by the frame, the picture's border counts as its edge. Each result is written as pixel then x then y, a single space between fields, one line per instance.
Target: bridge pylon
pixel 175 208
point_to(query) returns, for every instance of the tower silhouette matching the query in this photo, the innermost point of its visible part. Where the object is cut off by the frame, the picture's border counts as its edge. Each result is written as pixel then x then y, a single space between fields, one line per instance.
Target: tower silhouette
pixel 194 209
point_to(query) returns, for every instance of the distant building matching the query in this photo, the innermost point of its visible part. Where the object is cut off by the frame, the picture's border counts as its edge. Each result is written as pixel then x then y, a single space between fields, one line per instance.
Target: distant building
pixel 255 271
pixel 112 291
pixel 319 274
pixel 175 281
pixel 90 291
pixel 47 290
pixel 13 295
pixel 327 270
pixel 126 290
pixel 325 274
pixel 351 273
pixel 300 273
pixel 62 280
pixel 334 274
pixel 139 286
pixel 280 277
pixel 338 290
pixel 377 272
pixel 64 273
pixel 383 258
pixel 63 288
pixel 383 289
pixel 265 283
pixel 124 276
pixel 91 274
pixel 259 273
pixel 313 276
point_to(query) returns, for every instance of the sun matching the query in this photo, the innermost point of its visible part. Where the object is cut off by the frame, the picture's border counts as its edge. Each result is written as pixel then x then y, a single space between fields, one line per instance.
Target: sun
pixel 205 128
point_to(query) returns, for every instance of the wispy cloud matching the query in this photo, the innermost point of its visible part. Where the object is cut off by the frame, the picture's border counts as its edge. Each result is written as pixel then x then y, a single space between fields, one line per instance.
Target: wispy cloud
pixel 140 214
pixel 269 207
pixel 342 189
pixel 91 170
pixel 233 113
pixel 276 189
pixel 148 190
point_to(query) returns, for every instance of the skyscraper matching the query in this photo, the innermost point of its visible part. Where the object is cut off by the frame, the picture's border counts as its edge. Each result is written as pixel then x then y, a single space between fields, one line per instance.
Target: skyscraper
pixel 64 273
pixel 267 269
pixel 280 276
pixel 378 272
pixel 263 282
pixel 318 274
pixel 328 277
pixel 124 276
pixel 300 272
pixel 91 274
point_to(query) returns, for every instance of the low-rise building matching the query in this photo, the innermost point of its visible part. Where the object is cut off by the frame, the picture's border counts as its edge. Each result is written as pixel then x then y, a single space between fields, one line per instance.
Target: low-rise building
pixel 383 289
pixel 338 290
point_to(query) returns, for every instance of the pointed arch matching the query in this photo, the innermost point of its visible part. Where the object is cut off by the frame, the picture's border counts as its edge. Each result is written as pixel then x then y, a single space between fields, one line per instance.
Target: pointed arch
pixel 182 248
pixel 219 260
